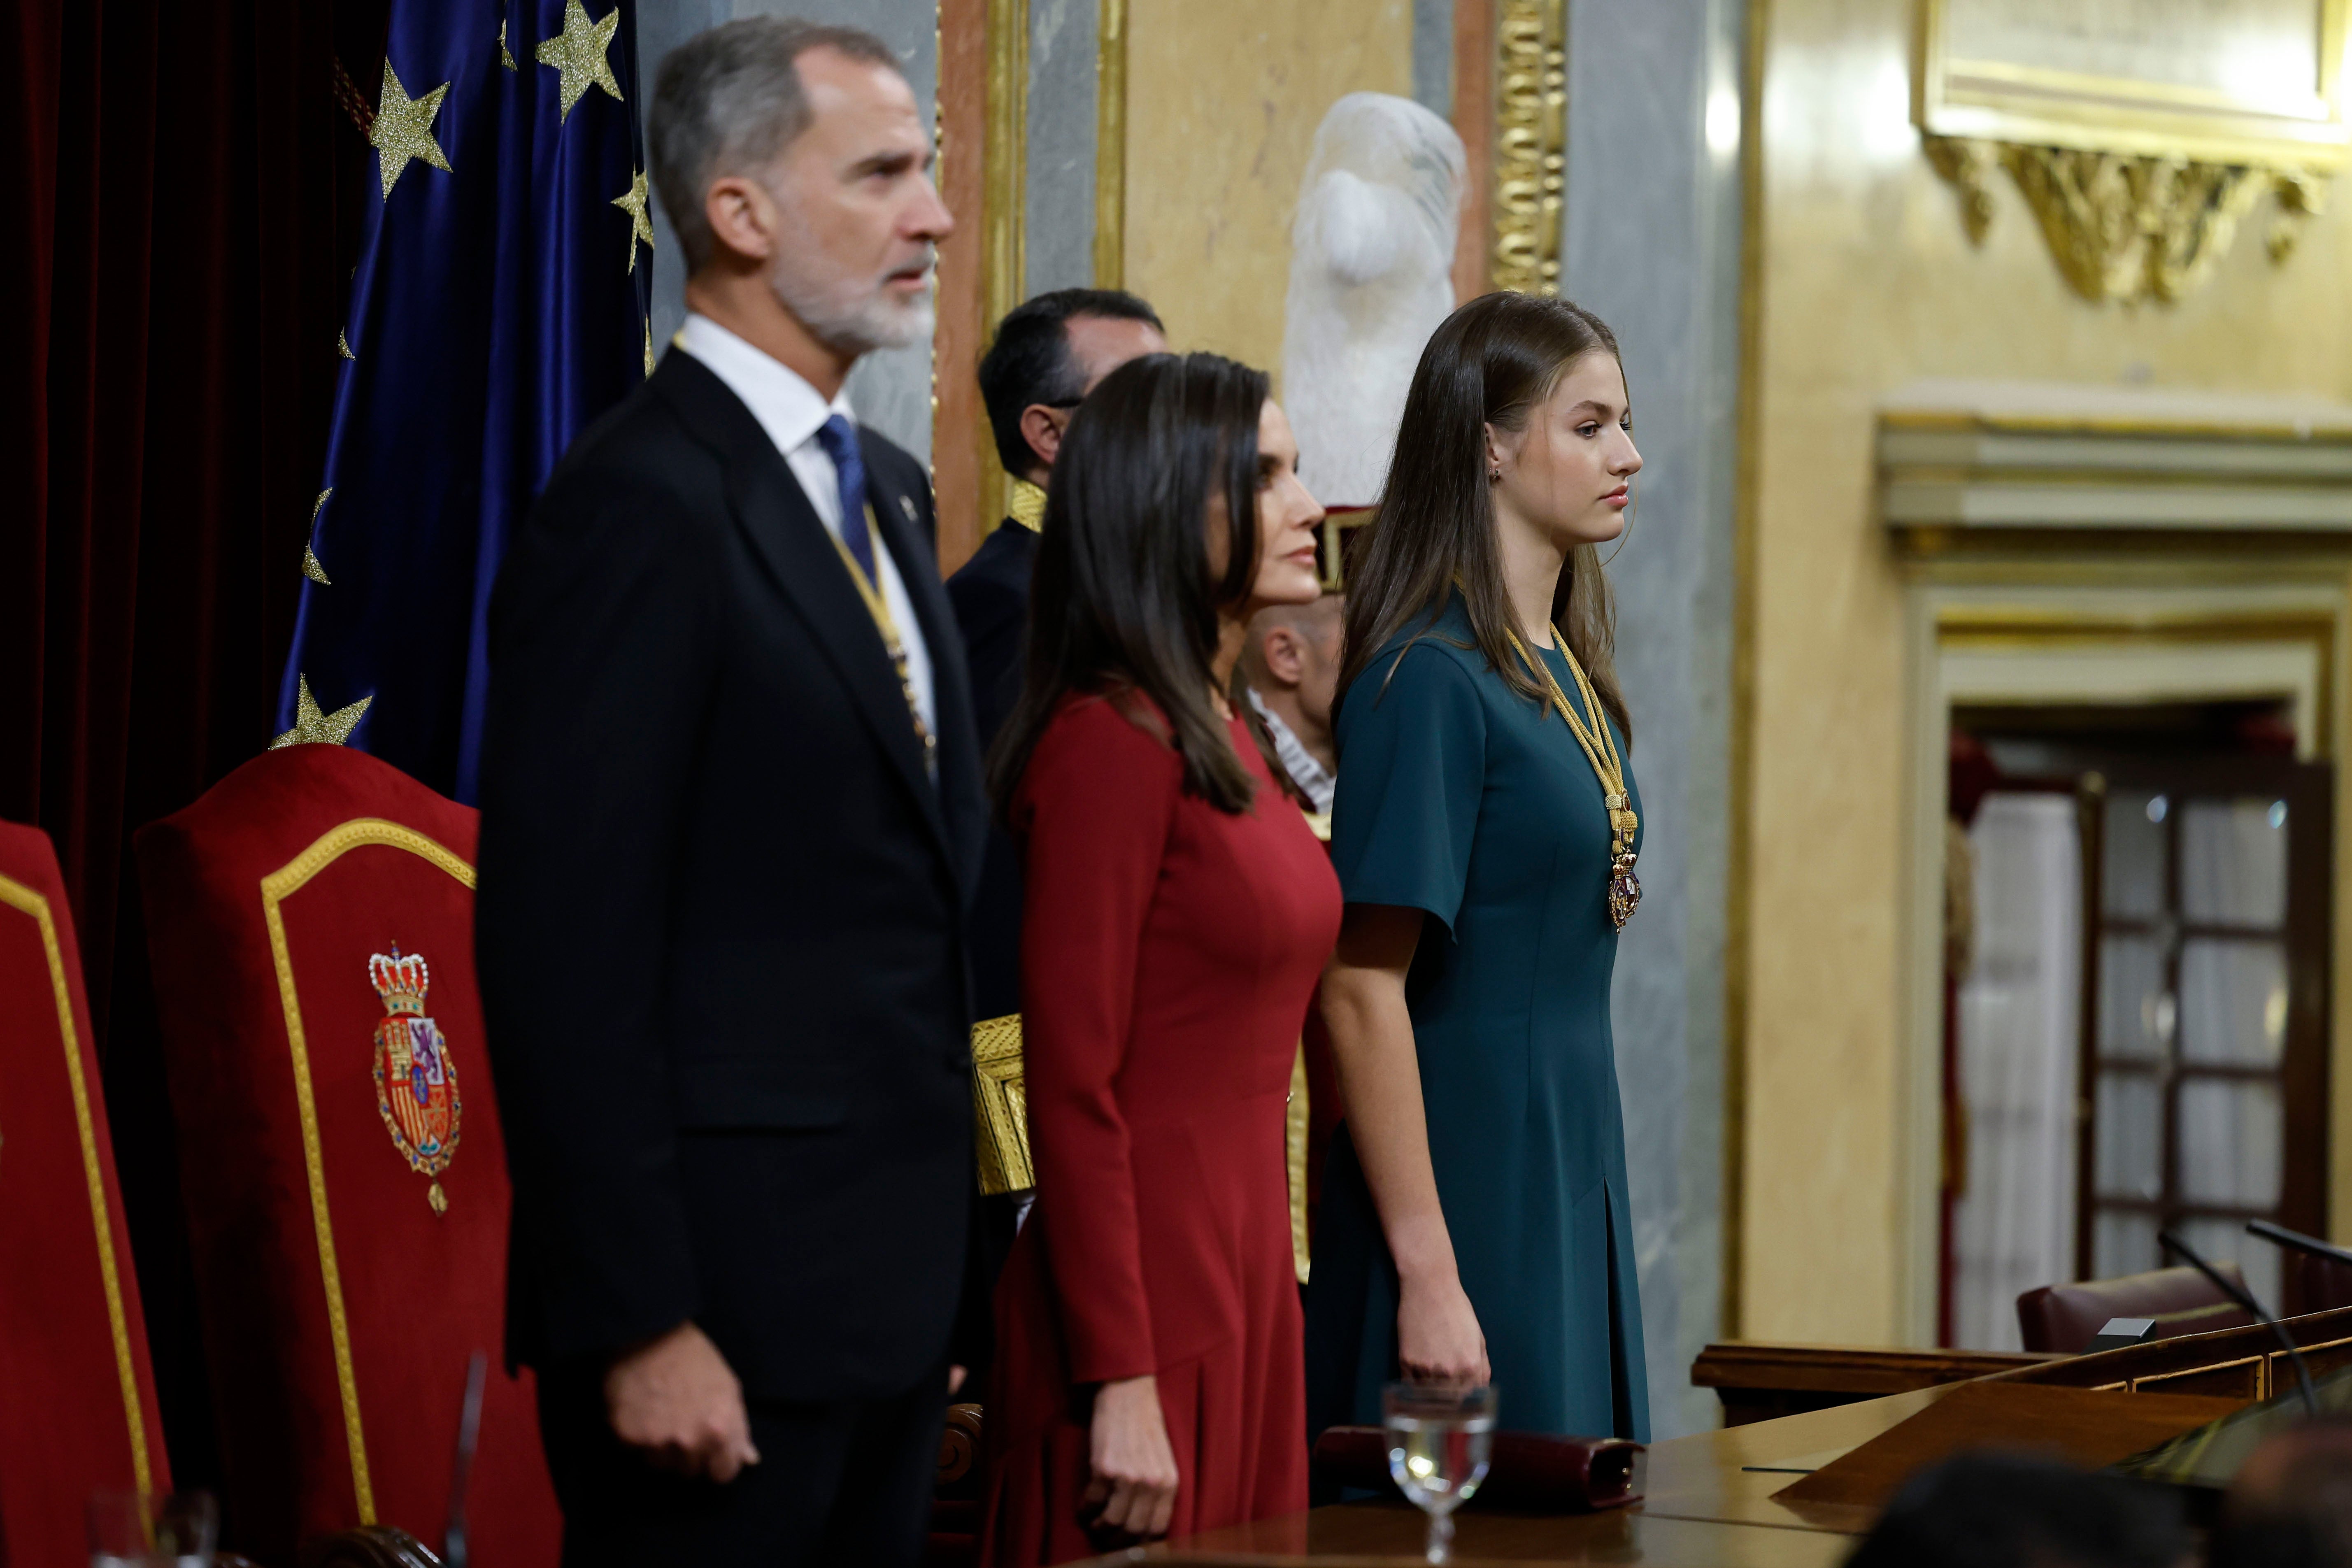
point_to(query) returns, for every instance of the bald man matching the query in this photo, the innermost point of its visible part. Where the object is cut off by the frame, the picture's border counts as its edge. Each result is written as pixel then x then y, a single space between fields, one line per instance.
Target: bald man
pixel 1292 665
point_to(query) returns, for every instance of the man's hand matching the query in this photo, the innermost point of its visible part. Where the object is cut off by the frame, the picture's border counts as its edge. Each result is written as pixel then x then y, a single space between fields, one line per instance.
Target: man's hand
pixel 1133 1490
pixel 676 1401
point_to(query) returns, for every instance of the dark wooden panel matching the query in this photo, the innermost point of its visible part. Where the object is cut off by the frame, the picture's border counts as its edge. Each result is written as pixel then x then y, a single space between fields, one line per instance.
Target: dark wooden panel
pixel 1767 1382
pixel 2239 1380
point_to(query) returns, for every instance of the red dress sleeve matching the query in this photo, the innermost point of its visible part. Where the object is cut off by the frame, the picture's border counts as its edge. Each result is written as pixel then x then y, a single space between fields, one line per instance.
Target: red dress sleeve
pixel 1099 802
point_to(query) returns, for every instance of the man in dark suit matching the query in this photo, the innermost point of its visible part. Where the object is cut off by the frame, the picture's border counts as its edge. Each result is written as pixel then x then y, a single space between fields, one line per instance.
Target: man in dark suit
pixel 1046 357
pixel 732 820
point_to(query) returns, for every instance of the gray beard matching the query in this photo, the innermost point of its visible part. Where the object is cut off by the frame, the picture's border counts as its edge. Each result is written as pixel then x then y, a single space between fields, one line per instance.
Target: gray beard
pixel 850 317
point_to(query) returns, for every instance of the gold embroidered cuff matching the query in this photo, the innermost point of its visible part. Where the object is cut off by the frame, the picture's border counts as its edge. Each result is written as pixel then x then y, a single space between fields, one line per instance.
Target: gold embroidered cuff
pixel 999 1108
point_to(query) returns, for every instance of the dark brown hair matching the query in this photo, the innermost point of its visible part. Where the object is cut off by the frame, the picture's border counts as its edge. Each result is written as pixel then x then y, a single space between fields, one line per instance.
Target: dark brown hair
pixel 1493 362
pixel 1123 600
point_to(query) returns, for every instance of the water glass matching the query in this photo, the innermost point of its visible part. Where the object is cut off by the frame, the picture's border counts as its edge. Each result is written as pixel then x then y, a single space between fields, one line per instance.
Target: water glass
pixel 1439 1442
pixel 151 1530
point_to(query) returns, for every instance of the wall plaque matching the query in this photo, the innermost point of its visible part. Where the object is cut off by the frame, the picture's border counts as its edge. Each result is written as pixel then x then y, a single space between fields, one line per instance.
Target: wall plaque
pixel 2139 132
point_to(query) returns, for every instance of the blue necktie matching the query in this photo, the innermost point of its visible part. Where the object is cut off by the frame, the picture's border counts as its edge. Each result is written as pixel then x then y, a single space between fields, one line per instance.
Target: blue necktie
pixel 839 439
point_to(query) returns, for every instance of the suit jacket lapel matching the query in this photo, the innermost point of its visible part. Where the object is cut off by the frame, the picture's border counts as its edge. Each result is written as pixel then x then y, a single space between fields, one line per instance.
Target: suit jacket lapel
pixel 787 535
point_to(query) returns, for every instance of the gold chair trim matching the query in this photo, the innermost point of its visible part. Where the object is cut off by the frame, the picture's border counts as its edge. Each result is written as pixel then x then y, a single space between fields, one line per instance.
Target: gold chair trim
pixel 19 897
pixel 275 887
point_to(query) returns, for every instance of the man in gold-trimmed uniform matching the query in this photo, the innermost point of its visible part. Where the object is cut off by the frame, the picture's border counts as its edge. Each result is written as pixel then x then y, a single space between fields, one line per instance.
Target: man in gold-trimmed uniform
pixel 1047 354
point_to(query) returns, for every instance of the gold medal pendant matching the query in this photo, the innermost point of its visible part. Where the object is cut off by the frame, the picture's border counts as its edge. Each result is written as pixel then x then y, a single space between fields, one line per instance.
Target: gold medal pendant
pixel 1600 748
pixel 1625 888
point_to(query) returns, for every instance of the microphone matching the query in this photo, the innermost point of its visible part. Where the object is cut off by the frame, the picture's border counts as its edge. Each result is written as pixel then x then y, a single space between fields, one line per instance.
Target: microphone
pixel 454 1546
pixel 2282 1236
pixel 2245 1299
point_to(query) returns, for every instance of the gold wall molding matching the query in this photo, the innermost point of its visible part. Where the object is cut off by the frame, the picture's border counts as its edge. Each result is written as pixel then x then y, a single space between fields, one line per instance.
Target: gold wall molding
pixel 2123 226
pixel 1110 146
pixel 1004 281
pixel 1530 144
pixel 2082 462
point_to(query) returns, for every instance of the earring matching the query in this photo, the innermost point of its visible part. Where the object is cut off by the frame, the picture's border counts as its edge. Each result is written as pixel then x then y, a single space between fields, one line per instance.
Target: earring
pixel 1493 475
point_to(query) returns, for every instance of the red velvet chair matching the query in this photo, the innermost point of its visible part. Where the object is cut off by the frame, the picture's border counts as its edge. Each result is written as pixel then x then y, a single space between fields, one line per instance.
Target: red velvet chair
pixel 310 921
pixel 77 1398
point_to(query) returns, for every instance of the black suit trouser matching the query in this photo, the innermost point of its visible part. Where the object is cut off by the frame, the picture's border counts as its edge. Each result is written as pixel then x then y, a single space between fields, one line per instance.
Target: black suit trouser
pixel 838 1481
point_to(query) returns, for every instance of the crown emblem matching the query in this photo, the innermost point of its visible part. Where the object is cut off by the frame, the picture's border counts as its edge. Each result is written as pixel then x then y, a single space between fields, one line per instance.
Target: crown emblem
pixel 401 982
pixel 415 1079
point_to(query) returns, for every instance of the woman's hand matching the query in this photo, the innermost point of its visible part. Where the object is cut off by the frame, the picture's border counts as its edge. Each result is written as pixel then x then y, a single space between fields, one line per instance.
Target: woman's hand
pixel 1380 1083
pixel 1438 1339
pixel 1134 1484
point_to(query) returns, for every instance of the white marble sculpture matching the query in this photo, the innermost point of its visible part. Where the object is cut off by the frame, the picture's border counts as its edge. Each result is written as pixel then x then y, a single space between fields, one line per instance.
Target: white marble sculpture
pixel 1371 257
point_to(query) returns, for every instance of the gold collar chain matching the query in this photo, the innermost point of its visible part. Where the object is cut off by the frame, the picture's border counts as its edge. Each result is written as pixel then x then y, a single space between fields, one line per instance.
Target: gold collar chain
pixel 887 625
pixel 1599 743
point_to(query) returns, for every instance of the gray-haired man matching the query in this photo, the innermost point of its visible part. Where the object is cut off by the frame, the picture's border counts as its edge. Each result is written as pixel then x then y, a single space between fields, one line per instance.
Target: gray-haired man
pixel 732 820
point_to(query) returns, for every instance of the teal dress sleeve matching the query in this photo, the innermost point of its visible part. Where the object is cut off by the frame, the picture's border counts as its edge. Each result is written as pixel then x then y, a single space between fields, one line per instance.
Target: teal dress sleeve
pixel 1412 765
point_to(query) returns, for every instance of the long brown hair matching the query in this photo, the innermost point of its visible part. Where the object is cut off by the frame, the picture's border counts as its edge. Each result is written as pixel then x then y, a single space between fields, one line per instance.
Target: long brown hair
pixel 1123 600
pixel 1493 362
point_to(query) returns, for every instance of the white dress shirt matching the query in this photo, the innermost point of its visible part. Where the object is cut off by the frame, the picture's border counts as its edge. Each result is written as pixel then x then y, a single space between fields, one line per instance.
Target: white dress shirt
pixel 791 412
pixel 1318 782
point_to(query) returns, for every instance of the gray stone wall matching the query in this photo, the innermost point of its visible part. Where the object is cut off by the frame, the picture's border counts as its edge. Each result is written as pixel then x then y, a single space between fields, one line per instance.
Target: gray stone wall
pixel 1058 222
pixel 1652 245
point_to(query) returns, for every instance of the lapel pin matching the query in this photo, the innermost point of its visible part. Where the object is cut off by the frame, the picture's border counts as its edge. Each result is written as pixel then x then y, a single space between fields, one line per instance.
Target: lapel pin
pixel 907 505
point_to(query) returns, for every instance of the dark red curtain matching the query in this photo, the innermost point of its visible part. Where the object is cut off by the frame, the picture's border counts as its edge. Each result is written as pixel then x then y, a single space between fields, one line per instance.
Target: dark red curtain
pixel 176 278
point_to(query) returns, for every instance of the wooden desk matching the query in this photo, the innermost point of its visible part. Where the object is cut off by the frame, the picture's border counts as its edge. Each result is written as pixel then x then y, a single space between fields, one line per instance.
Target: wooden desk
pixel 1764 1382
pixel 1703 1510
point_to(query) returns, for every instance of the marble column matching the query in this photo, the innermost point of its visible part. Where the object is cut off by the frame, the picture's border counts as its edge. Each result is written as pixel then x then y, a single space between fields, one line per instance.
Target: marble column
pixel 1652 245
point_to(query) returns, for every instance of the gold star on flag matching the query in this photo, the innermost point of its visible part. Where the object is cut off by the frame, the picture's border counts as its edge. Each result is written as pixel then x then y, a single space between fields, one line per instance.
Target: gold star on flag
pixel 641 224
pixel 311 566
pixel 505 58
pixel 578 55
pixel 649 347
pixel 344 346
pixel 312 727
pixel 404 128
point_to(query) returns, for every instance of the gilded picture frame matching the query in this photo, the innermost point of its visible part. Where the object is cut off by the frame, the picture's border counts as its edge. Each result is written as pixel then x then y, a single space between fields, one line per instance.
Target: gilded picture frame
pixel 2228 93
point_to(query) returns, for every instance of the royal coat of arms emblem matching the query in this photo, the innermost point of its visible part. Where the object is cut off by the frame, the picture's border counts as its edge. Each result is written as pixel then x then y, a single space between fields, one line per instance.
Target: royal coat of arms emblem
pixel 416 1081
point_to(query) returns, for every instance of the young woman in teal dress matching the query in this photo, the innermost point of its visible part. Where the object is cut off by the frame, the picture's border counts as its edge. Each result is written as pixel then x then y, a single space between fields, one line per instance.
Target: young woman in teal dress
pixel 1475 1226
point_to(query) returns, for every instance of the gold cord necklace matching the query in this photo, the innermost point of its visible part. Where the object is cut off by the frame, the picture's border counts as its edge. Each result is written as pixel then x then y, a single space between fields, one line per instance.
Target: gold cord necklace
pixel 1600 750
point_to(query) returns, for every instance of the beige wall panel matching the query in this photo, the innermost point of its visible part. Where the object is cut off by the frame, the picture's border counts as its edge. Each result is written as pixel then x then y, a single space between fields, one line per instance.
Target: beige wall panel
pixel 1867 283
pixel 1224 96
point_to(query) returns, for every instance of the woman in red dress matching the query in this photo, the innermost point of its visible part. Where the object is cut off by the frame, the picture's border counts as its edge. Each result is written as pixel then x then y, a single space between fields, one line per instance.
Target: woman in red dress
pixel 1179 910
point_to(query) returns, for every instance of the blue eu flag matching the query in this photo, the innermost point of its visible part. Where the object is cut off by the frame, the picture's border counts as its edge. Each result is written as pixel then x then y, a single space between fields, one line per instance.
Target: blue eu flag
pixel 501 305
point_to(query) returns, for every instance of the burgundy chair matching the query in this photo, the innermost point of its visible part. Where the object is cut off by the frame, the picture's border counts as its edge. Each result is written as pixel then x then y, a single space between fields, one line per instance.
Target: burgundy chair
pixel 2326 1284
pixel 2064 1317
pixel 77 1400
pixel 312 923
